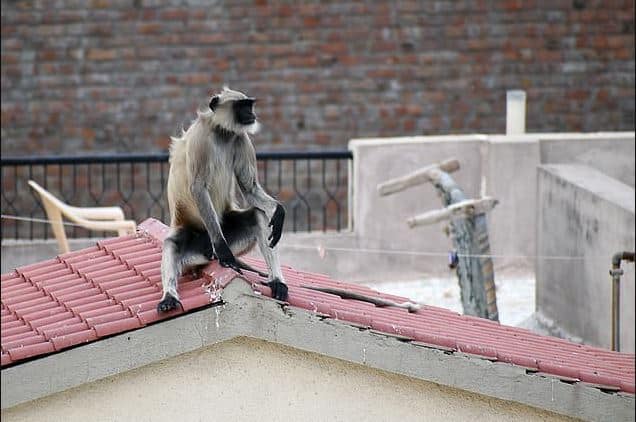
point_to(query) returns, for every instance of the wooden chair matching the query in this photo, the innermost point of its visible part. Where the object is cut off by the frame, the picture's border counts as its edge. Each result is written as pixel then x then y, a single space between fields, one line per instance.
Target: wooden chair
pixel 91 218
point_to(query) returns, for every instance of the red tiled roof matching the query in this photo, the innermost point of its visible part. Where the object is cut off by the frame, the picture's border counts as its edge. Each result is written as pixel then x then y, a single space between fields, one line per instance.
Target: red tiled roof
pixel 114 287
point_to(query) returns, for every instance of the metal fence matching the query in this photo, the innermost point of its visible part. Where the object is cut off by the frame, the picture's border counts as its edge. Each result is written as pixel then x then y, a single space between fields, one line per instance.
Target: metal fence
pixel 312 185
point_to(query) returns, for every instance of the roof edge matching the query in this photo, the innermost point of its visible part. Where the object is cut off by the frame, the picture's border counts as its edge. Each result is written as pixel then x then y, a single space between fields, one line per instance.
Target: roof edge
pixel 246 314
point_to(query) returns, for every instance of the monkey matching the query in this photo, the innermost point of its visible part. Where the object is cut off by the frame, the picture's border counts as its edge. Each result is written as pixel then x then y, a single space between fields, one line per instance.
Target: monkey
pixel 209 162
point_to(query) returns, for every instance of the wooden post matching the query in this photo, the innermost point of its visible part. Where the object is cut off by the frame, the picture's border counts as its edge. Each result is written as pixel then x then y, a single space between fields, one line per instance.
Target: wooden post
pixel 469 233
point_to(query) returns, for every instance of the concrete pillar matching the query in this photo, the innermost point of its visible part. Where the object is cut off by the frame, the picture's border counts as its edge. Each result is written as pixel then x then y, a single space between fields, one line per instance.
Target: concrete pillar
pixel 515 112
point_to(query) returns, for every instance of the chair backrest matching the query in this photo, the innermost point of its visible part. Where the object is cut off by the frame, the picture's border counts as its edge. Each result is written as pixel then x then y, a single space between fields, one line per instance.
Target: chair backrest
pixel 92 218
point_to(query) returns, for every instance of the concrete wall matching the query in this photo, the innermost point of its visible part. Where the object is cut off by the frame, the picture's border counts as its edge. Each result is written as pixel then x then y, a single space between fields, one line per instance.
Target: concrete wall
pixel 248 380
pixel 584 213
pixel 610 153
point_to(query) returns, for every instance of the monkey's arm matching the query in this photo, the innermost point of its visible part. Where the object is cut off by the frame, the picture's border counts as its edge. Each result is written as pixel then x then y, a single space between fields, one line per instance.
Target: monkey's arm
pixel 246 174
pixel 199 173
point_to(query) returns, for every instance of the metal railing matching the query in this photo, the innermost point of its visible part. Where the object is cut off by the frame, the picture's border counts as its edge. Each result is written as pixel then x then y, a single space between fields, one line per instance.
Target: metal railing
pixel 313 185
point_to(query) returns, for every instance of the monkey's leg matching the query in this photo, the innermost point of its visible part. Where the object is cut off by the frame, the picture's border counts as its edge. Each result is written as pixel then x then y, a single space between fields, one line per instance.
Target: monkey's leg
pixel 270 255
pixel 180 251
pixel 170 272
pixel 242 229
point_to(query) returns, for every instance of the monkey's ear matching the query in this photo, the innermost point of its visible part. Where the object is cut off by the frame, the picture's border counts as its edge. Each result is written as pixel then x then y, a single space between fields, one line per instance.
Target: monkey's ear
pixel 214 102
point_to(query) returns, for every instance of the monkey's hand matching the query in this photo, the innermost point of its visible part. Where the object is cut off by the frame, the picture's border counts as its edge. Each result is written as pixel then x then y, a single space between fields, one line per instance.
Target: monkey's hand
pixel 225 256
pixel 276 223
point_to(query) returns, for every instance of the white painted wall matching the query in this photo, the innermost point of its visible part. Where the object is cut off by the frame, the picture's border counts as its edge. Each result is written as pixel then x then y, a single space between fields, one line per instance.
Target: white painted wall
pixel 250 380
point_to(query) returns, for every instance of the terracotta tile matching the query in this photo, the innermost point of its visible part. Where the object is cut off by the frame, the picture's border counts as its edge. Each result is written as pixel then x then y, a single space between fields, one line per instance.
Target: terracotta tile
pixel 141 299
pixel 88 256
pixel 131 252
pixel 110 317
pixel 7 318
pixel 116 327
pixel 72 304
pixel 53 274
pixel 133 294
pixel 113 245
pixel 114 272
pixel 18 290
pixel 89 291
pixel 151 315
pixel 97 267
pixel 155 229
pixel 628 386
pixel 143 306
pixel 25 334
pixel 132 278
pixel 476 349
pixel 114 308
pixel 19 353
pixel 72 254
pixel 54 283
pixel 64 329
pixel 73 339
pixel 102 244
pixel 37 274
pixel 92 305
pixel 42 313
pixel 13 281
pixel 150 273
pixel 38 265
pixel 194 302
pixel 439 340
pixel 150 266
pixel 67 289
pixel 27 341
pixel 6 359
pixel 12 324
pixel 42 322
pixel 9 276
pixel 142 258
pixel 26 297
pixel 135 283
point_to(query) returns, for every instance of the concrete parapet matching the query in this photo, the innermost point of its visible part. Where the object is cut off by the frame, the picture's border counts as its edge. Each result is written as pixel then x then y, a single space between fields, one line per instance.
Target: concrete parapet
pixel 583 213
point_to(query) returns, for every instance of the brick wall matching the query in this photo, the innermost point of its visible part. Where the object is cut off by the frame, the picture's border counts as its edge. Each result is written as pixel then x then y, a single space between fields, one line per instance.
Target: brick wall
pixel 123 75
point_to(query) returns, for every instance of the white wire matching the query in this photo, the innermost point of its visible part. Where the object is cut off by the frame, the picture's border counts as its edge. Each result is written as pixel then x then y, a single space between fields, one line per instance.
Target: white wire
pixel 372 250
pixel 38 220
pixel 420 253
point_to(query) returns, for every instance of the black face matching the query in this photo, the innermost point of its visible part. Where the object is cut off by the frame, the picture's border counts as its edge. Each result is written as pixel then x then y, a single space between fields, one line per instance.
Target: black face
pixel 244 111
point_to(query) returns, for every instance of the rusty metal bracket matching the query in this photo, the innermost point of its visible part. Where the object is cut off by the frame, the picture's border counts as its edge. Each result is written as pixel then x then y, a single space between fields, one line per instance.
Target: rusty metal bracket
pixel 616 272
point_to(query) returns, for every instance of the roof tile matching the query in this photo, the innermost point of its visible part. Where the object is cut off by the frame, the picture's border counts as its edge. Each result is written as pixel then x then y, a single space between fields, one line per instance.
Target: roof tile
pixel 114 287
pixel 23 352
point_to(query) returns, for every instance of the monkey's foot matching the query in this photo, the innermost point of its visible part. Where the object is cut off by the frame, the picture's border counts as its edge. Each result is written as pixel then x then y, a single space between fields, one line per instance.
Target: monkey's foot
pixel 168 303
pixel 279 289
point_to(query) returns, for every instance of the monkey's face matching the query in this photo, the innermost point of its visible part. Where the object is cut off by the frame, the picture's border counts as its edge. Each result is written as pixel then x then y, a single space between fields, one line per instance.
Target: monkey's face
pixel 234 111
pixel 244 111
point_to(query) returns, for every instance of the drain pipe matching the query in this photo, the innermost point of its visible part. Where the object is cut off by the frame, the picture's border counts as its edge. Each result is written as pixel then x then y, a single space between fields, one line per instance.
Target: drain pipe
pixel 616 272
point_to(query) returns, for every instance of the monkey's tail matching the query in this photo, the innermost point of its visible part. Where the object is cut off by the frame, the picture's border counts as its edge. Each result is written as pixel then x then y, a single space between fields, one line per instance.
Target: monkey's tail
pixel 245 266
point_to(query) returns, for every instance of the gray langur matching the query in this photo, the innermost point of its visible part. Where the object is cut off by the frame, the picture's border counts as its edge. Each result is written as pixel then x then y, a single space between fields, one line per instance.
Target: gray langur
pixel 211 159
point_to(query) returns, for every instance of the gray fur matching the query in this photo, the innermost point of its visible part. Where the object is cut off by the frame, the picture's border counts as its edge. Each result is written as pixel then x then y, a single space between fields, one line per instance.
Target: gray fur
pixel 209 158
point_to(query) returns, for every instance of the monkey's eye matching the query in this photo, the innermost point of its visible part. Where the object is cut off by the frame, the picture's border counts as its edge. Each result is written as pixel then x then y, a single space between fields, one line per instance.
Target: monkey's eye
pixel 214 102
